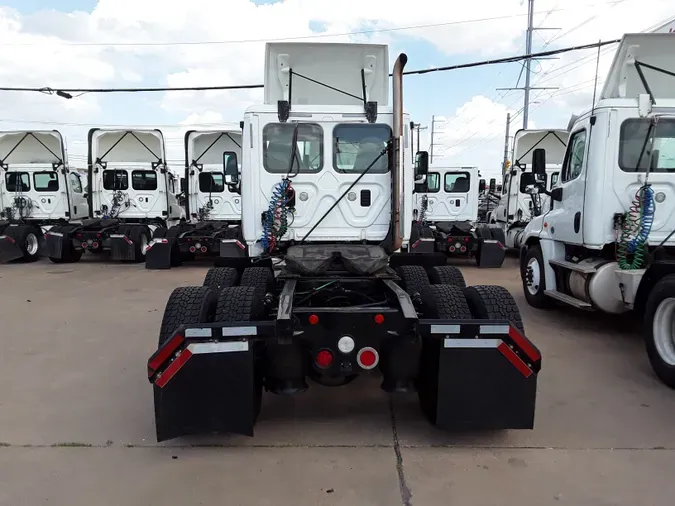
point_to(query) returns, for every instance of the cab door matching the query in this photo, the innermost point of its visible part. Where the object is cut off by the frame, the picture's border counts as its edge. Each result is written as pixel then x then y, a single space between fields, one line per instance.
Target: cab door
pixel 565 221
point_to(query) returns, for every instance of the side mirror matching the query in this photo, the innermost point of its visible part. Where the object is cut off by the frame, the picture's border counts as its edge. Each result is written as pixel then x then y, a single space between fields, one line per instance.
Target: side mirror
pixel 421 164
pixel 539 161
pixel 182 185
pixel 557 194
pixel 231 168
pixel 481 186
pixel 493 184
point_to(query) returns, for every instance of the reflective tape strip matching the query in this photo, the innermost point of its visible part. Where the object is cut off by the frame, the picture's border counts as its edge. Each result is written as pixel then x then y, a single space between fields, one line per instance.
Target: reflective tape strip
pixel 494 329
pixel 471 343
pixel 173 368
pixel 226 347
pixel 522 342
pixel 164 353
pixel 117 236
pixel 515 360
pixel 55 234
pixel 445 329
pixel 198 333
pixel 239 331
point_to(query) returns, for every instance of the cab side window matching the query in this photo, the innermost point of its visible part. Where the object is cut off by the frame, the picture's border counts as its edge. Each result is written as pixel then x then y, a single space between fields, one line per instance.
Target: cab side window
pixel 75 182
pixel 574 158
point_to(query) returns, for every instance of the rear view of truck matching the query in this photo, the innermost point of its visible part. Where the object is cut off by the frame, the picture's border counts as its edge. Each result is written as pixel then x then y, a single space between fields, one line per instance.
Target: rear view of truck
pixel 38 194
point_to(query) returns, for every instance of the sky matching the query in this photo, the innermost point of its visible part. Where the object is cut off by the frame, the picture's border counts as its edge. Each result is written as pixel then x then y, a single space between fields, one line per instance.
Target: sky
pixel 129 43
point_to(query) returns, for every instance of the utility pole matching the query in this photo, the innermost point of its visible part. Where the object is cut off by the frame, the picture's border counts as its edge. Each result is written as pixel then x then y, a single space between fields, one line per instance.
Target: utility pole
pixel 433 132
pixel 506 143
pixel 528 64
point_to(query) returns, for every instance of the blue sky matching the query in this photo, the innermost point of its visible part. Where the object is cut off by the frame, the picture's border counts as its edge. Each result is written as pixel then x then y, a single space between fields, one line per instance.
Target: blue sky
pixel 475 136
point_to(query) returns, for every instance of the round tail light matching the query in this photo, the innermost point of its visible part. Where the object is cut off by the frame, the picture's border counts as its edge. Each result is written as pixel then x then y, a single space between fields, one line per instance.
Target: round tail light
pixel 192 249
pixel 324 359
pixel 367 358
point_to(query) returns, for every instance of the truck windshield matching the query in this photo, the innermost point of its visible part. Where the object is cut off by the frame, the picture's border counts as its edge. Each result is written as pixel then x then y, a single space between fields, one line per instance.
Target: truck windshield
pixel 17 181
pixel 46 181
pixel 633 134
pixel 277 138
pixel 356 146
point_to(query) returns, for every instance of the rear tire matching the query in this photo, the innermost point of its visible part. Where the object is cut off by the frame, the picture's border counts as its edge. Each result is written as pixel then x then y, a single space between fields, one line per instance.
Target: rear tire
pixel 445 302
pixel 261 278
pixel 27 238
pixel 238 304
pixel 498 235
pixel 659 333
pixel 159 233
pixel 221 277
pixel 483 232
pixel 414 278
pixel 489 302
pixel 446 275
pixel 187 305
pixel 140 236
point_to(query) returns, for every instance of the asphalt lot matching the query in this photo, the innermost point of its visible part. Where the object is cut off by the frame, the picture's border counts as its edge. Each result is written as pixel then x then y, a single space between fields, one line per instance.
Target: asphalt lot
pixel 77 427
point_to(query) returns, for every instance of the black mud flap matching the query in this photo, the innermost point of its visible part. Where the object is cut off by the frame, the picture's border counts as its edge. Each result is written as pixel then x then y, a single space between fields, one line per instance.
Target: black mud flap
pixel 158 254
pixel 480 375
pixel 490 253
pixel 205 386
pixel 9 249
pixel 122 248
pixel 54 243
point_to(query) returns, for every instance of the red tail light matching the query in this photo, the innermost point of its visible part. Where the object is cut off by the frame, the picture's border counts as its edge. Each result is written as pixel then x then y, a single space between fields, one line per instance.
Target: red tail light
pixel 367 358
pixel 324 359
pixel 313 319
pixel 192 249
pixel 379 319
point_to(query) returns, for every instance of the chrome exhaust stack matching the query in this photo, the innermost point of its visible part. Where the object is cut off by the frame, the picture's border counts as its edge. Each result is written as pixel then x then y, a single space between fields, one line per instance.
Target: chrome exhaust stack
pixel 397 176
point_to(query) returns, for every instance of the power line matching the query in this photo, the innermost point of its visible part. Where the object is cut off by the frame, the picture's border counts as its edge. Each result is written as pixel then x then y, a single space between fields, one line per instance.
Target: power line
pixel 66 92
pixel 282 39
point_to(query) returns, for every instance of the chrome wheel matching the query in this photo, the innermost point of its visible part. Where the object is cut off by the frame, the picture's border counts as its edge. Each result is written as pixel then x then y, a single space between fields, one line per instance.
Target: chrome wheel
pixel 32 244
pixel 533 276
pixel 664 330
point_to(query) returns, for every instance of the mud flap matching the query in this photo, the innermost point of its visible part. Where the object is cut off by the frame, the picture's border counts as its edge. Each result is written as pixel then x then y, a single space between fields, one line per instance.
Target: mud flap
pixel 9 249
pixel 54 244
pixel 490 253
pixel 122 248
pixel 204 387
pixel 479 375
pixel 158 254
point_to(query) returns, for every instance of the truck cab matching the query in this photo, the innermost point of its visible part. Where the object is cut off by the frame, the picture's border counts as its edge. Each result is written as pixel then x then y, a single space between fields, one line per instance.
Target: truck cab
pixel 37 190
pixel 606 243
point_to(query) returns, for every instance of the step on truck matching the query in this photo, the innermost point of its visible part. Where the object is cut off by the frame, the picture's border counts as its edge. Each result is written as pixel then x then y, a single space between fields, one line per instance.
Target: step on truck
pixel 315 287
pixel 131 193
pixel 607 243
pixel 517 206
pixel 39 194
pixel 446 212
pixel 213 208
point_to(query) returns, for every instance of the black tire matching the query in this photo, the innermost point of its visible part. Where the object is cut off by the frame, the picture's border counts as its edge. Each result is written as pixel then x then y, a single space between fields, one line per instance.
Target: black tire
pixel 139 235
pixel 175 231
pixel 535 298
pixel 498 235
pixel 446 275
pixel 221 277
pixel 414 278
pixel 239 304
pixel 28 239
pixel 445 302
pixel 658 346
pixel 187 305
pixel 261 278
pixel 489 302
pixel 159 233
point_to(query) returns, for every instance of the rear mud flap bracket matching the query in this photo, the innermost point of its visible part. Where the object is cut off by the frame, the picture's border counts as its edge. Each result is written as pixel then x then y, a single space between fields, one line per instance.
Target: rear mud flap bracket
pixel 480 375
pixel 122 248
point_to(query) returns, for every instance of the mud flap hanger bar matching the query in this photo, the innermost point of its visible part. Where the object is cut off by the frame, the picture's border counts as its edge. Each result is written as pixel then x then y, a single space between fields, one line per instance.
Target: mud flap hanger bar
pixel 284 106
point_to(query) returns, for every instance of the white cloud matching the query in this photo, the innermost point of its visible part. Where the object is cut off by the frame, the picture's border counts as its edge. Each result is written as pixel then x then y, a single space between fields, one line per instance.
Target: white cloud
pixel 35 54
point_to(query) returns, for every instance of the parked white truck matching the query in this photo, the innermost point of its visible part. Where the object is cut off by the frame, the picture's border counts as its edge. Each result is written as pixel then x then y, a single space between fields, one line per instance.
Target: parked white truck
pixel 38 193
pixel 213 207
pixel 516 206
pixel 131 193
pixel 608 241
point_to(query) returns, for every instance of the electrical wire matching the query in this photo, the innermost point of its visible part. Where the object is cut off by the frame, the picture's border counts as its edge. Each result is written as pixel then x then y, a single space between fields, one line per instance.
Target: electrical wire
pixel 495 61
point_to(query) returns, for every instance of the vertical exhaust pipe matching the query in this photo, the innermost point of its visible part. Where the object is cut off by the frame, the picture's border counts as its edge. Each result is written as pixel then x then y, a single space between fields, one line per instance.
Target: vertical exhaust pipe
pixel 397 176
